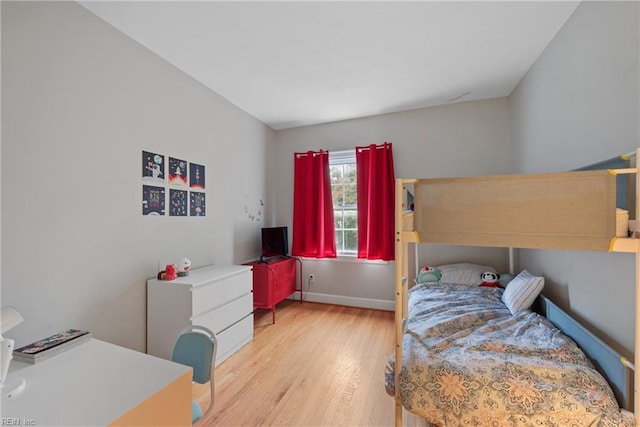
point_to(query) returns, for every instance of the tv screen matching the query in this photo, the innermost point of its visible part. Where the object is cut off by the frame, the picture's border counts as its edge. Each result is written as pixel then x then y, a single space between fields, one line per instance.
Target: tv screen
pixel 275 241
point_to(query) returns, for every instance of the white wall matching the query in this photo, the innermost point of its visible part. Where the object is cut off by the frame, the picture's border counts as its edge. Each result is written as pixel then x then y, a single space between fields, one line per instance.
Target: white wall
pixel 461 139
pixel 577 105
pixel 80 101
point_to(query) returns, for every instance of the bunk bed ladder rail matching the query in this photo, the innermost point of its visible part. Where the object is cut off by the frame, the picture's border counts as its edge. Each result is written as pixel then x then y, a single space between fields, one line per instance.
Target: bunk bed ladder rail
pixel 401 299
pixel 633 245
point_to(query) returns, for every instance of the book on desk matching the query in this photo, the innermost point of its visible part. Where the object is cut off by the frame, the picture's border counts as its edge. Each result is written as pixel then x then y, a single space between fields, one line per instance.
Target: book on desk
pixel 51 346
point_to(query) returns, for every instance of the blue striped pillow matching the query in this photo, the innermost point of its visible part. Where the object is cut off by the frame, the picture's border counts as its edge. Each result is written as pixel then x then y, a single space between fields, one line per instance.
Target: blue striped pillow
pixel 522 291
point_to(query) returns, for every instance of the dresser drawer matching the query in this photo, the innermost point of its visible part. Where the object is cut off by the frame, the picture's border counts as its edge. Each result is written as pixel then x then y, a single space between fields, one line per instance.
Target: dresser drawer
pixel 233 338
pixel 209 296
pixel 222 317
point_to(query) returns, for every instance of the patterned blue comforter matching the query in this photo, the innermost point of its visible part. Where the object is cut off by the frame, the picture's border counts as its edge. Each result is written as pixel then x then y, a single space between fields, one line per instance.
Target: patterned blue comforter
pixel 468 362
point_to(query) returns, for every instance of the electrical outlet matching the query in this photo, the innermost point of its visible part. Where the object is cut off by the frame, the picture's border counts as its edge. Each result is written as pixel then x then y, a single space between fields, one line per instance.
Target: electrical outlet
pixel 312 277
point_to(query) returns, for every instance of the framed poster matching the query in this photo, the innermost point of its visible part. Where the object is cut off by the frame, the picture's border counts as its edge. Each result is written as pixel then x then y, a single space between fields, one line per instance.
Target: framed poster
pixel 152 167
pixel 152 200
pixel 197 204
pixel 178 172
pixel 166 184
pixel 196 176
pixel 177 202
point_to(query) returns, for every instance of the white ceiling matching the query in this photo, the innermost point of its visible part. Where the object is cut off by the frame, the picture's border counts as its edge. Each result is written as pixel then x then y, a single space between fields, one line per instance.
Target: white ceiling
pixel 297 63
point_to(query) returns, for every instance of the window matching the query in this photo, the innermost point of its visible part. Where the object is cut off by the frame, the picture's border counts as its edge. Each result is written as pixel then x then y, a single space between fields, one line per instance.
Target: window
pixel 342 165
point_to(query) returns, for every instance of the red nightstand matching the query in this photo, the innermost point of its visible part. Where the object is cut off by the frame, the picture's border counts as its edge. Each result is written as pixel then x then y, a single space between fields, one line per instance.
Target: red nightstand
pixel 273 281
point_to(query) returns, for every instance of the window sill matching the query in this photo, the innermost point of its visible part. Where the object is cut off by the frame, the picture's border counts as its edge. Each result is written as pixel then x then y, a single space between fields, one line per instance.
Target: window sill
pixel 348 259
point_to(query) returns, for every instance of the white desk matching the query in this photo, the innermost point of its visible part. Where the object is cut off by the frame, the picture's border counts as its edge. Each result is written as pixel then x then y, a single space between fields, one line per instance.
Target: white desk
pixel 99 384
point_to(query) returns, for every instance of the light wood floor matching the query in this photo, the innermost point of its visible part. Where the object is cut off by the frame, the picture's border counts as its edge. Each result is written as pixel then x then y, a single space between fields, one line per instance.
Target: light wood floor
pixel 319 365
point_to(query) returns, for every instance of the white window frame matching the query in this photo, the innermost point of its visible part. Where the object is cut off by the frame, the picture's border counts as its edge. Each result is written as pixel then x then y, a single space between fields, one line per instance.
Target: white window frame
pixel 342 158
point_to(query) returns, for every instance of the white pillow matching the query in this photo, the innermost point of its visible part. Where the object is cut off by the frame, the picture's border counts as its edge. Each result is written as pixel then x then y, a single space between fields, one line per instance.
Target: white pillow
pixel 463 273
pixel 522 291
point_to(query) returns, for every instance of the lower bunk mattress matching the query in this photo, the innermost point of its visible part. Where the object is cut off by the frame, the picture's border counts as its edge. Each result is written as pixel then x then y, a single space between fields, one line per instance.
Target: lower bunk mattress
pixel 467 361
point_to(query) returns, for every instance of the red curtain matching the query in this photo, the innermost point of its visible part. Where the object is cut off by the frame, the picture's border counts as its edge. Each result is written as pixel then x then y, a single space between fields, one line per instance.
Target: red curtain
pixel 313 227
pixel 376 202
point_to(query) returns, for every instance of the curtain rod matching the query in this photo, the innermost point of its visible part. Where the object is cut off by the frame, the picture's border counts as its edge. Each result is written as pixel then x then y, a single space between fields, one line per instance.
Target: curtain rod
pixel 314 153
pixel 386 145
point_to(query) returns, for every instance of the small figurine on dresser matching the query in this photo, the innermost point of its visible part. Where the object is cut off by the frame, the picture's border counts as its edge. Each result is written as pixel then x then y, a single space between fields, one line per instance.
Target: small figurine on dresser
pixel 169 273
pixel 183 267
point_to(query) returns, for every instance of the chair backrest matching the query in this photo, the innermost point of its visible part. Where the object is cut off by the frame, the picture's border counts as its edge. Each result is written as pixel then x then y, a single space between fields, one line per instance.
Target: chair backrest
pixel 196 347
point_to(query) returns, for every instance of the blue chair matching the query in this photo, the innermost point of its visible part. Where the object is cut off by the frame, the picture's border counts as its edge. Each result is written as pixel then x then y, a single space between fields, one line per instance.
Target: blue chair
pixel 196 347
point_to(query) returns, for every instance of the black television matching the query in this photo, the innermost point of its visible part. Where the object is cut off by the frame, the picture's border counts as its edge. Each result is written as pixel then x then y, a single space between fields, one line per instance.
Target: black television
pixel 275 242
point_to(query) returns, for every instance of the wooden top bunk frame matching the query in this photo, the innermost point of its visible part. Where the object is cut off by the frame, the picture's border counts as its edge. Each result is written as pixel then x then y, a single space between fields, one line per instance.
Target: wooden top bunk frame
pixel 568 210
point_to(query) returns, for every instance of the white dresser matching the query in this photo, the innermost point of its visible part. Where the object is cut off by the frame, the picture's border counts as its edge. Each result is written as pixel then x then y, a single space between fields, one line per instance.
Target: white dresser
pixel 218 297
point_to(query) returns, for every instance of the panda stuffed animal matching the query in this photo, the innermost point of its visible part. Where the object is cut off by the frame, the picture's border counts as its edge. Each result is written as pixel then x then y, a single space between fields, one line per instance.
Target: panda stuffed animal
pixel 490 280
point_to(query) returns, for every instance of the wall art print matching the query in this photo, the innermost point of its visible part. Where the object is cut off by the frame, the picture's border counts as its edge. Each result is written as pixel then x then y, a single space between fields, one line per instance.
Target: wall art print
pixel 196 176
pixel 153 200
pixel 197 204
pixel 177 202
pixel 253 217
pixel 178 172
pixel 152 167
pixel 166 183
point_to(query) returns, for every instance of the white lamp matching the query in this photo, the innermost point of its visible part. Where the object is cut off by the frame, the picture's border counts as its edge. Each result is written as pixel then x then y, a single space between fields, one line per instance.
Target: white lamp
pixel 10 318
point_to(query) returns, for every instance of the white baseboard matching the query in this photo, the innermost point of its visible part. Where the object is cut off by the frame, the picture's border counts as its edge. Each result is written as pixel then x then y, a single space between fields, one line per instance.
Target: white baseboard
pixel 376 304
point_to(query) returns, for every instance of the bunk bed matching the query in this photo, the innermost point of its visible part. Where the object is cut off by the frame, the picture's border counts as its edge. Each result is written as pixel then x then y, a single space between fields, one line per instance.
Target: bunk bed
pixel 569 210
